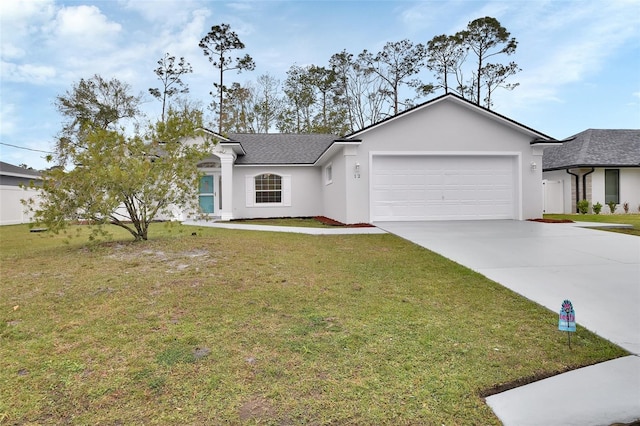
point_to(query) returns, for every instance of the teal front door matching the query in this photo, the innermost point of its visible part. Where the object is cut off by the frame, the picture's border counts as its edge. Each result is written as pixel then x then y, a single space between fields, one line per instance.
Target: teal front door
pixel 206 194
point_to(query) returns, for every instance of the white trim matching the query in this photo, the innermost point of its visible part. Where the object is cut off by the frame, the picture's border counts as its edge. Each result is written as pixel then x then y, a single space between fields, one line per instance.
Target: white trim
pixel 250 191
pixel 452 98
pixel 328 174
pixel 516 155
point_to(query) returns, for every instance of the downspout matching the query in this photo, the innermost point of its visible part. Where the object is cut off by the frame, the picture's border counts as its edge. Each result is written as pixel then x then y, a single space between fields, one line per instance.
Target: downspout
pixel 577 187
pixel 584 183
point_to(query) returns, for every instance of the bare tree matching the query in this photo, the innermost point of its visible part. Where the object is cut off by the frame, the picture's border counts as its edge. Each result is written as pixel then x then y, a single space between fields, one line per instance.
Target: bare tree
pixel 217 45
pixel 170 75
pixel 485 37
pixel 395 64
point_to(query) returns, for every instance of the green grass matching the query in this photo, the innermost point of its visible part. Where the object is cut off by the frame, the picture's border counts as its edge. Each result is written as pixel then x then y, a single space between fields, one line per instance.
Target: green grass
pixel 628 219
pixel 239 327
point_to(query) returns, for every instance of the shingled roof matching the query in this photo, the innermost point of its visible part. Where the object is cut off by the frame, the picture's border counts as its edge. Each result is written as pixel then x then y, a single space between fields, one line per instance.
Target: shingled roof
pixel 11 170
pixel 595 148
pixel 278 148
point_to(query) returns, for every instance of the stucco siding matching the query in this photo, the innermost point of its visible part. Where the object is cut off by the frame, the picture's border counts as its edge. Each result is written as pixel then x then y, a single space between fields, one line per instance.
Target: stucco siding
pixel 12 211
pixel 448 127
pixel 334 193
pixel 305 192
pixel 629 189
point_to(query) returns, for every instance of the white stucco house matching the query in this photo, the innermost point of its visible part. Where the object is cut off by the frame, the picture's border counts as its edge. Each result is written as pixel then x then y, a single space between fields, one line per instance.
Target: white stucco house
pixel 12 211
pixel 598 165
pixel 446 159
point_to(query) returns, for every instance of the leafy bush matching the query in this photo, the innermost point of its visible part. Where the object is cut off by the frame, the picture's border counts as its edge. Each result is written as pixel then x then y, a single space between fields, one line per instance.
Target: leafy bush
pixel 612 206
pixel 597 207
pixel 583 206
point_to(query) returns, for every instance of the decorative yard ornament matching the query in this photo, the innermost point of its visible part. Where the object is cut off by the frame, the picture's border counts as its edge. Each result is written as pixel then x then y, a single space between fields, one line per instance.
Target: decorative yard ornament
pixel 567 320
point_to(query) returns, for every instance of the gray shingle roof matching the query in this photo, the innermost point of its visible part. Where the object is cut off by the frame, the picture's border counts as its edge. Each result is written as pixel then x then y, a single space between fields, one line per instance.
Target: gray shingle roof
pixel 595 148
pixel 277 148
pixel 11 170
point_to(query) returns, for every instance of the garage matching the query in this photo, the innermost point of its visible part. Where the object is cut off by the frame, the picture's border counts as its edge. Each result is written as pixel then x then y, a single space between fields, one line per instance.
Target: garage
pixel 443 187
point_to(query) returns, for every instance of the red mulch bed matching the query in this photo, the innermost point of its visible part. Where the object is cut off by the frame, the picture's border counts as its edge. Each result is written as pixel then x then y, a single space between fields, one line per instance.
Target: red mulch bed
pixel 332 222
pixel 551 220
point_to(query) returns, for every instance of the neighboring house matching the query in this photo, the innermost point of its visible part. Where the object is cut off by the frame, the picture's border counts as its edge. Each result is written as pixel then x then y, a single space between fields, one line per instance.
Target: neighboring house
pixel 600 166
pixel 447 159
pixel 12 211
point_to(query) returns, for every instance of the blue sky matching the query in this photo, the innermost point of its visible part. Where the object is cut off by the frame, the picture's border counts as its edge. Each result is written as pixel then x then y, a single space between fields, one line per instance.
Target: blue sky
pixel 580 60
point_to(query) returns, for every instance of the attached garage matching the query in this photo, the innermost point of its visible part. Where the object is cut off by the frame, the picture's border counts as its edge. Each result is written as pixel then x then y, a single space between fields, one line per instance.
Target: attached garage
pixel 415 186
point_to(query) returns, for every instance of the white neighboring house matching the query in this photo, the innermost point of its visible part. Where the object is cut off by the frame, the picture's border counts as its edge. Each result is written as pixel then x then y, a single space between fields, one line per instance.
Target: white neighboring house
pixel 446 159
pixel 12 211
pixel 598 165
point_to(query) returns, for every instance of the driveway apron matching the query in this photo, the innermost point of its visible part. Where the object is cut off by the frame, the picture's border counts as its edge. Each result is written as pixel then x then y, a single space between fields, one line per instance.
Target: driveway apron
pixel 547 263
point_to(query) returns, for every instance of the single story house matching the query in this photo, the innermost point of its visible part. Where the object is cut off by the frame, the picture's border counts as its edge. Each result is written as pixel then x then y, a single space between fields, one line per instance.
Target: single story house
pixel 12 211
pixel 598 165
pixel 446 159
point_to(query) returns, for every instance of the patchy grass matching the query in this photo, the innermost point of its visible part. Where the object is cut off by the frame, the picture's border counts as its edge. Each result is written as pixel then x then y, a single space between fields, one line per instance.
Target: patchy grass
pixel 628 219
pixel 239 327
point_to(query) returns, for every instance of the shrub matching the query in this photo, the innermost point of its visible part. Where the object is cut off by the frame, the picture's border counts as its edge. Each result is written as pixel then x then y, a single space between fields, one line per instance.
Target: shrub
pixel 583 206
pixel 625 206
pixel 597 207
pixel 612 206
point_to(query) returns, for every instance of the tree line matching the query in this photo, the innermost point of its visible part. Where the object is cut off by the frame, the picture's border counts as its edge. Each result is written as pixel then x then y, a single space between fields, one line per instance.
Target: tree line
pixel 114 166
pixel 353 90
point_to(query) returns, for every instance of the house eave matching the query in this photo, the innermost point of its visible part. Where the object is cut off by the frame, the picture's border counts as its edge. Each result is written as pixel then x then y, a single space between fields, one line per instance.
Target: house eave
pixel 333 148
pixel 467 104
pixel 588 166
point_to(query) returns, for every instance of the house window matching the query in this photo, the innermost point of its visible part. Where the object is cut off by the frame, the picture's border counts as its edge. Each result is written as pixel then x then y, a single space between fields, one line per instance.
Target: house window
pixel 612 186
pixel 328 174
pixel 268 188
pixel 206 194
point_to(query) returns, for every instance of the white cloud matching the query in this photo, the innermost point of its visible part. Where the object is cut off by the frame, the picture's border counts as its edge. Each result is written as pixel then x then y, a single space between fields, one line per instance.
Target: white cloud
pixel 29 73
pixel 21 24
pixel 85 26
pixel 7 118
pixel 569 44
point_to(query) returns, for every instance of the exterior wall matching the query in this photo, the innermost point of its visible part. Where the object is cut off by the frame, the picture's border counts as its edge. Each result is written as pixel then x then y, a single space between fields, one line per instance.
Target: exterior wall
pixel 11 209
pixel 306 192
pixel 334 194
pixel 568 184
pixel 450 127
pixel 629 189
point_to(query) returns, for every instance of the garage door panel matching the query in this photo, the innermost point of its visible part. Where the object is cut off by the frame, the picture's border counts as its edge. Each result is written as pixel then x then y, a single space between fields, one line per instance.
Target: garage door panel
pixel 443 187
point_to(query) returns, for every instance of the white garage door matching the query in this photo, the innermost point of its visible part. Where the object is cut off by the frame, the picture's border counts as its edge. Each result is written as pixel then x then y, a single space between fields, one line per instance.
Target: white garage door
pixel 424 187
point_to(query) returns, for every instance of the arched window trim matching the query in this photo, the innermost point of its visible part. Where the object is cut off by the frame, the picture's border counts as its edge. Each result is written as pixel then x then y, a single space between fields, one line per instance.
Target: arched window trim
pixel 251 190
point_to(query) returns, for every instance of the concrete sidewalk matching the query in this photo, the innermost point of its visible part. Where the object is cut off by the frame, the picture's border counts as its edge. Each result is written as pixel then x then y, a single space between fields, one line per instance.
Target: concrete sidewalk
pixel 596 395
pixel 338 230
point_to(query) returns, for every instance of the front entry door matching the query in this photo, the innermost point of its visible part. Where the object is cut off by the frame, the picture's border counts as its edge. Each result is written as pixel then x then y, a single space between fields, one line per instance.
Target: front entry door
pixel 207 194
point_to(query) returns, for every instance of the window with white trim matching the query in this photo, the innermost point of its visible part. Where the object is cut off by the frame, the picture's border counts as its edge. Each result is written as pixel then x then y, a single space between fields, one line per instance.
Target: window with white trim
pixel 268 188
pixel 328 174
pixel 612 186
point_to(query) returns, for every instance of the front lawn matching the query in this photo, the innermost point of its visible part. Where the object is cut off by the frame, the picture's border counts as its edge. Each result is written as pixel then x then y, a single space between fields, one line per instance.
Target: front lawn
pixel 240 327
pixel 628 219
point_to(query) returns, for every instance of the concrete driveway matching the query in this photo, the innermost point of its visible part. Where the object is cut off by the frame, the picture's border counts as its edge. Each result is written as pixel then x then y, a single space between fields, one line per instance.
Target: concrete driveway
pixel 598 271
pixel 548 263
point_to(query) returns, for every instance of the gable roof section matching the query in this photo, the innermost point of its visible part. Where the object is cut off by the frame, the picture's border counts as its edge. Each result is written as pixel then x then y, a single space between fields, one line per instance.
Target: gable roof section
pixel 7 169
pixel 537 137
pixel 595 148
pixel 280 149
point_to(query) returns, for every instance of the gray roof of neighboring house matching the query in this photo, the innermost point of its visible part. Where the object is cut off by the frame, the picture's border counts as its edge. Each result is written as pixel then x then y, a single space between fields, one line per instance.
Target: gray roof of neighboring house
pixel 277 148
pixel 595 148
pixel 11 170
